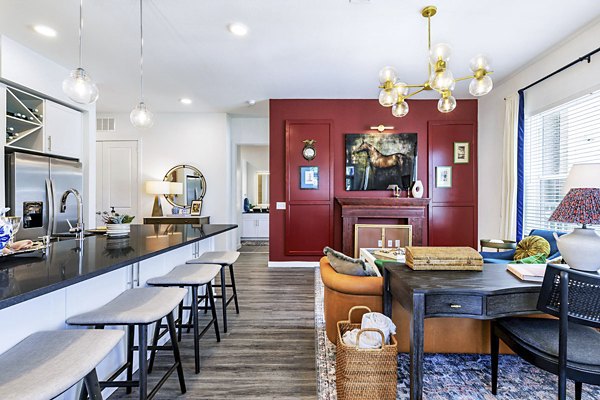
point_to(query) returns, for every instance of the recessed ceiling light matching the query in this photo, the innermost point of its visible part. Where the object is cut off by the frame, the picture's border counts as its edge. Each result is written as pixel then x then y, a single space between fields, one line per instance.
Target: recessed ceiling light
pixel 251 102
pixel 185 100
pixel 44 30
pixel 238 29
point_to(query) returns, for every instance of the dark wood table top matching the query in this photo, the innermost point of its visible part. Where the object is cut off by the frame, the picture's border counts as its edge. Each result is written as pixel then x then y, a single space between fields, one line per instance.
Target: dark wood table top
pixel 494 279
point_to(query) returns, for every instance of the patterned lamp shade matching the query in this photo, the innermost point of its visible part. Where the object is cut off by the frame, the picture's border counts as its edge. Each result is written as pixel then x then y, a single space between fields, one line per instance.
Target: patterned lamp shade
pixel 579 206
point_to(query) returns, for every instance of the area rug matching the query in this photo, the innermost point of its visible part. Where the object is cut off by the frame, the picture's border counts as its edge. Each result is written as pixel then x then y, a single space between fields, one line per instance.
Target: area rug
pixel 448 376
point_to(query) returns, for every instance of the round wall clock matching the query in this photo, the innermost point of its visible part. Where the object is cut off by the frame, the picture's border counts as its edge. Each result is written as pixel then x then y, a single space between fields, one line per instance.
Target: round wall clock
pixel 309 152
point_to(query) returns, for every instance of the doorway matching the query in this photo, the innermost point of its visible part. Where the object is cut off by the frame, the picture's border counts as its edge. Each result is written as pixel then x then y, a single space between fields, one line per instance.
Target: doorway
pixel 117 178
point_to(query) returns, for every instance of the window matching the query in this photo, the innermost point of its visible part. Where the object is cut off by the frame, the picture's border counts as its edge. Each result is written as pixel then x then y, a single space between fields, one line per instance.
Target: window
pixel 554 140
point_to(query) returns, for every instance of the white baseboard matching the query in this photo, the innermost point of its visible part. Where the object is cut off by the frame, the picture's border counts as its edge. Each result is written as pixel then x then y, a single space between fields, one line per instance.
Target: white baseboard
pixel 295 264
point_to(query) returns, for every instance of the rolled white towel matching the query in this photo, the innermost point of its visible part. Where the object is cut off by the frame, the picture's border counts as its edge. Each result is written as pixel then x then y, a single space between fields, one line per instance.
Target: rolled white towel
pixel 349 339
pixel 371 340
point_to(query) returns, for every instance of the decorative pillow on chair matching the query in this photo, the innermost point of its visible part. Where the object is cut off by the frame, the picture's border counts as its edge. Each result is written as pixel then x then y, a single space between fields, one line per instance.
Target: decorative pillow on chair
pixel 342 264
pixel 532 245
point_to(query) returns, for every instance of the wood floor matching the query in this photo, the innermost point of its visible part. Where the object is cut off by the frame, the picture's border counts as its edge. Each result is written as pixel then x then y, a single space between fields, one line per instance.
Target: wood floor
pixel 269 350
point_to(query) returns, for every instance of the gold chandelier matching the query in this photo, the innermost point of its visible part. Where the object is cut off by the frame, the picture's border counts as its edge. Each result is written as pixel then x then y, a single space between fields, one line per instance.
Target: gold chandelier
pixel 394 92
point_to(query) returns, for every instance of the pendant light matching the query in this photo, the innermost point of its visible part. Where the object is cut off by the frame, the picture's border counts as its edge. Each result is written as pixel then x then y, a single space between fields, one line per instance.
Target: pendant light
pixel 79 86
pixel 140 116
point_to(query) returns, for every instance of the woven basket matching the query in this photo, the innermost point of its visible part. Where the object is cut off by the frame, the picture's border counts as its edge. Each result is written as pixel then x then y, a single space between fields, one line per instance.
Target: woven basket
pixel 365 373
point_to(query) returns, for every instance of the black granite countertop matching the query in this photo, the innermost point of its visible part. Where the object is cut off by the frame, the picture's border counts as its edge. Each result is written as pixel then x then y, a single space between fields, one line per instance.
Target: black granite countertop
pixel 68 262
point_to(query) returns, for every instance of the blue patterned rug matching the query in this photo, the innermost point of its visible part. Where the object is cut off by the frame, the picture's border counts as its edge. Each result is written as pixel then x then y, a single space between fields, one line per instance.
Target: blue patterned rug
pixel 449 376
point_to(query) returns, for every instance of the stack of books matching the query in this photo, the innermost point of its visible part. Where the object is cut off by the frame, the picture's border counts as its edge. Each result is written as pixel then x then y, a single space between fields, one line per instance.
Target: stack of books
pixel 528 272
pixel 444 258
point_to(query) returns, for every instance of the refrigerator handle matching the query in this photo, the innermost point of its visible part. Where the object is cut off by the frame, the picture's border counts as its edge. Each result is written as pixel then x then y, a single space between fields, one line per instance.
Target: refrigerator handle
pixel 50 194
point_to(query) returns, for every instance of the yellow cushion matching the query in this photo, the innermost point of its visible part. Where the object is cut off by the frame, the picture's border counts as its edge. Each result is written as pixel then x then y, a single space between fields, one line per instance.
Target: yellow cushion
pixel 530 246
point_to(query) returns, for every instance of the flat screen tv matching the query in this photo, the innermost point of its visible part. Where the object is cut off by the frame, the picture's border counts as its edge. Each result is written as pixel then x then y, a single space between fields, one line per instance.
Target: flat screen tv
pixel 376 160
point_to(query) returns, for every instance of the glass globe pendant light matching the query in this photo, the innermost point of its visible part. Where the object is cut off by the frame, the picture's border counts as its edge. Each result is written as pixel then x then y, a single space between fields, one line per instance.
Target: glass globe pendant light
pixel 447 103
pixel 140 116
pixel 79 86
pixel 400 108
pixel 482 83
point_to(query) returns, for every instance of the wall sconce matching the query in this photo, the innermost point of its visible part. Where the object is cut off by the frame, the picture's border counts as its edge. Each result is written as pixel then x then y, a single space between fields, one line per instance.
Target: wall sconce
pixel 381 128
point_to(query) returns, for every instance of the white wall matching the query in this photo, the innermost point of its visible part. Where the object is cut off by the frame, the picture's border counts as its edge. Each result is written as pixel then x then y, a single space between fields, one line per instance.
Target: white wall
pixel 244 131
pixel 21 67
pixel 573 82
pixel 201 140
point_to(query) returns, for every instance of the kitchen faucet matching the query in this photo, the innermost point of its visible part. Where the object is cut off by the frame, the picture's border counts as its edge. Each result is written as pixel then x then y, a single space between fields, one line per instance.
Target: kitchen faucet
pixel 63 207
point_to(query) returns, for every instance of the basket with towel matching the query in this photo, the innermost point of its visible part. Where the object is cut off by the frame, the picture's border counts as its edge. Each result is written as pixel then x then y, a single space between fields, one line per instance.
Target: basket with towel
pixel 366 359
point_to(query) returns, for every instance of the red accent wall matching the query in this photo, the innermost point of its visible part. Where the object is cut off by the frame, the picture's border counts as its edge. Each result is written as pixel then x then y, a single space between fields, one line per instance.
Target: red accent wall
pixel 346 116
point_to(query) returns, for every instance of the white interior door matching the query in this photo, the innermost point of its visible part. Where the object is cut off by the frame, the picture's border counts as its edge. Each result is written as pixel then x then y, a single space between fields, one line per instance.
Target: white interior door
pixel 117 178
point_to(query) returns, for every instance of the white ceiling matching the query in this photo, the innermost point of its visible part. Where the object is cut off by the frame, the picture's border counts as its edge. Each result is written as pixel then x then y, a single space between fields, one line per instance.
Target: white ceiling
pixel 295 48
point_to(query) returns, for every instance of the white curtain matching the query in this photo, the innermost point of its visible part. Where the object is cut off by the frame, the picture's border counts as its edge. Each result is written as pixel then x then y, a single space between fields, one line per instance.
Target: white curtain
pixel 508 223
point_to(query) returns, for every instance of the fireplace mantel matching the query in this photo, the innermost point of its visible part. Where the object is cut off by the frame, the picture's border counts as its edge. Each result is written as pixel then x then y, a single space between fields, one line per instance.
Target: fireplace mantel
pixel 413 211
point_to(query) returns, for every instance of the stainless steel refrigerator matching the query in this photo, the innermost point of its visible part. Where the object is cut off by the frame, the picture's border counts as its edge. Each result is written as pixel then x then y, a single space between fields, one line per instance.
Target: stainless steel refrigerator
pixel 34 187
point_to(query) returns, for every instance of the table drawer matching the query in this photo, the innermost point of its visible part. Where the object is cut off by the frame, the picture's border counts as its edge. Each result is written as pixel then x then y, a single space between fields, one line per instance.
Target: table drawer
pixel 512 303
pixel 453 304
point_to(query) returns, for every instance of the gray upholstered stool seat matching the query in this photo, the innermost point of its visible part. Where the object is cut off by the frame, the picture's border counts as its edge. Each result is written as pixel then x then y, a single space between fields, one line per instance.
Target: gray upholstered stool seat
pixel 134 306
pixel 216 257
pixel 139 307
pixel 187 275
pixel 46 364
pixel 225 259
pixel 194 276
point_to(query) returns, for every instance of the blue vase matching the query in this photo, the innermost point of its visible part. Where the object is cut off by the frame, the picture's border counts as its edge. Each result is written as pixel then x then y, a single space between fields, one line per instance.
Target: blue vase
pixel 246 204
pixel 5 233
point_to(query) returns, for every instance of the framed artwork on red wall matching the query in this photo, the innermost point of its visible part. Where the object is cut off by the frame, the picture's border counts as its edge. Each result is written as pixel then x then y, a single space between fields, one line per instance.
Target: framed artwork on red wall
pixel 309 178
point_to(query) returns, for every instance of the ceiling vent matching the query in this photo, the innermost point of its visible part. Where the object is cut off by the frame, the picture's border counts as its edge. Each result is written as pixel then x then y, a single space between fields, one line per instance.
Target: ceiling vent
pixel 105 124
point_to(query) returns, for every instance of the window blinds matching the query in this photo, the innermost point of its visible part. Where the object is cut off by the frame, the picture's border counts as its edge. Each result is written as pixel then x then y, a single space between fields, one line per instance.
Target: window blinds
pixel 554 140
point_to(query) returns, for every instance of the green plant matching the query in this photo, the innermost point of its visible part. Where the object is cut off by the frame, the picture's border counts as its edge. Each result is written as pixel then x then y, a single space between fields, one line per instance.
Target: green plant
pixel 116 218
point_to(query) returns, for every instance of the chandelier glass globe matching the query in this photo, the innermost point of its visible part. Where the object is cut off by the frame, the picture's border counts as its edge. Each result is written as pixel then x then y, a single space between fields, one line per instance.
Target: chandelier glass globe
pixel 80 88
pixel 443 80
pixel 478 62
pixel 402 89
pixel 440 52
pixel 482 86
pixel 400 109
pixel 141 117
pixel 387 97
pixel 388 74
pixel 446 104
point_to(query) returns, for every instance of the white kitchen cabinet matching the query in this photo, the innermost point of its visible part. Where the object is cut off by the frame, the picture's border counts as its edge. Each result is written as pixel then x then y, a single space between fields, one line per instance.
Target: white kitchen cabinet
pixel 255 225
pixel 63 130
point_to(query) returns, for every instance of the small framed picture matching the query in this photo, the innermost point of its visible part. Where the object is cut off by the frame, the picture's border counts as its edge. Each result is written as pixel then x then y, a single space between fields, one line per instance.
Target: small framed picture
pixel 196 207
pixel 309 178
pixel 461 152
pixel 443 177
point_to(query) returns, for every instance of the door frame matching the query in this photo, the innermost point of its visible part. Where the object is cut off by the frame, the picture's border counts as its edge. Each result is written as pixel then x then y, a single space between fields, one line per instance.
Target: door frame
pixel 140 219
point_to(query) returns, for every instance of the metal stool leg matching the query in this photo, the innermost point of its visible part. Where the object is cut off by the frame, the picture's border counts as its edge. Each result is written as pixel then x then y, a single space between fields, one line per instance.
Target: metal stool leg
pixel 92 385
pixel 224 298
pixel 196 333
pixel 235 299
pixel 175 345
pixel 213 309
pixel 180 314
pixel 143 361
pixel 130 336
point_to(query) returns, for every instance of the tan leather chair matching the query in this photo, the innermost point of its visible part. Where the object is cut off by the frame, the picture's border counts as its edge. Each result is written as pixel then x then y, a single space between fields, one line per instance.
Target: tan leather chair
pixel 442 335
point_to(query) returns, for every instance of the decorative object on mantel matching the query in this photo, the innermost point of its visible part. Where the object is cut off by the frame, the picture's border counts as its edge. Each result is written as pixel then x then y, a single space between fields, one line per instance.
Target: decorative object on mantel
pixel 396 190
pixel 79 86
pixel 417 189
pixel 140 116
pixel 443 258
pixel 378 160
pixel 394 92
pixel 581 205
pixel 309 152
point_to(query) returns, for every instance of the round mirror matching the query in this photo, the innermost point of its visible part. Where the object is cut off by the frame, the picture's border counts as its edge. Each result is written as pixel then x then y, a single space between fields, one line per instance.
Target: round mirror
pixel 191 186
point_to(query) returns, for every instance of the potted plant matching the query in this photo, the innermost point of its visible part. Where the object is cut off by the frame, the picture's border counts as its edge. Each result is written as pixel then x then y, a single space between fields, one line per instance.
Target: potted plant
pixel 117 224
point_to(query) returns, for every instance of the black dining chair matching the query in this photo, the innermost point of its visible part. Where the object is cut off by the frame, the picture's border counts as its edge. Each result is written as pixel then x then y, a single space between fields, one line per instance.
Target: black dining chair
pixel 569 346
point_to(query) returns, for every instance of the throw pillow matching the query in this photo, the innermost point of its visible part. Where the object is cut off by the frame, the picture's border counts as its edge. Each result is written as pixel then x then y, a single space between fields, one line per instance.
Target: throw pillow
pixel 342 264
pixel 530 246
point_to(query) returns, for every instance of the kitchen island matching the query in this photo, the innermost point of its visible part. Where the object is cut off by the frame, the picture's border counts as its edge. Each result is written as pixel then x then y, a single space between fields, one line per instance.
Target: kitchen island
pixel 74 277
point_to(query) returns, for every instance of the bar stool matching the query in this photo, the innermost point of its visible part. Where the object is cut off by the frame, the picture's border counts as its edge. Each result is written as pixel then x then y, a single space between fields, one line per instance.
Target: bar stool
pixel 138 307
pixel 224 259
pixel 48 363
pixel 194 277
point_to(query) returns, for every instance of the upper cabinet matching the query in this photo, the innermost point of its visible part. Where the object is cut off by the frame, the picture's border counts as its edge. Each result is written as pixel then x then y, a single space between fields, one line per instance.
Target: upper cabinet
pixel 24 120
pixel 33 123
pixel 63 130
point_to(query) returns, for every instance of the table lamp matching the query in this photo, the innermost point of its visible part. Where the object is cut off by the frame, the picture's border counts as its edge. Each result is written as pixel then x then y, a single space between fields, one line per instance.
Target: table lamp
pixel 157 188
pixel 581 205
